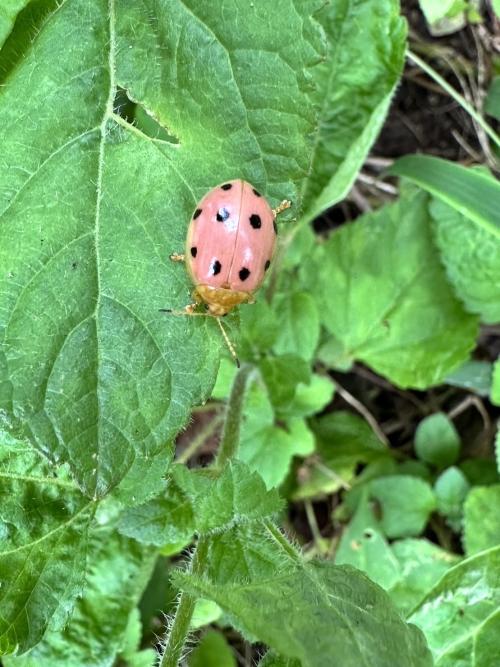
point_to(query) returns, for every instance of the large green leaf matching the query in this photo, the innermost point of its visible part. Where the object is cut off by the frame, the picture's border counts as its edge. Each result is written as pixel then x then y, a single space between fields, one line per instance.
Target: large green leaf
pixel 353 100
pixel 44 523
pixel 317 612
pixel 453 612
pixel 468 191
pixel 91 208
pixel 382 293
pixel 471 255
pixel 118 571
pixel 482 519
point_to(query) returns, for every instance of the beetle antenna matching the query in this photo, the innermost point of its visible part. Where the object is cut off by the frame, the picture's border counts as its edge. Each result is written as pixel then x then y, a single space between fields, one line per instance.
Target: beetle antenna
pixel 228 343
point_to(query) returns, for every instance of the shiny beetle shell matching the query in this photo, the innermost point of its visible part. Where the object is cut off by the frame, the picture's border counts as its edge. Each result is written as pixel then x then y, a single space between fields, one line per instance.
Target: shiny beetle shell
pixel 230 244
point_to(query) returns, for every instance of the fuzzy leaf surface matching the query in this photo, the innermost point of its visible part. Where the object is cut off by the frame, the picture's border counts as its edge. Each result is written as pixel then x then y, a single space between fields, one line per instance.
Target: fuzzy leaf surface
pixel 315 612
pixel 44 522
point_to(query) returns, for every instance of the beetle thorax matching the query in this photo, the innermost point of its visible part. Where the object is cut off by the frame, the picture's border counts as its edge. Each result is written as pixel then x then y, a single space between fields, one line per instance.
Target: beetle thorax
pixel 220 301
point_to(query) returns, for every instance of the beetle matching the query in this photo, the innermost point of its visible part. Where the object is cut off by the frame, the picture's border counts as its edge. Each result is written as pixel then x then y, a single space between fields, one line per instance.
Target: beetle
pixel 229 247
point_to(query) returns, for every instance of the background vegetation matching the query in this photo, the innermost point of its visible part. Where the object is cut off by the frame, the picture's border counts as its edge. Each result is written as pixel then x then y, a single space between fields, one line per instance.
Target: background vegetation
pixel 333 502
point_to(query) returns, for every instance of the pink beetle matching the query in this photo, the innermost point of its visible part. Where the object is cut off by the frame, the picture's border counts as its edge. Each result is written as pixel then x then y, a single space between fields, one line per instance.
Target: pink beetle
pixel 229 246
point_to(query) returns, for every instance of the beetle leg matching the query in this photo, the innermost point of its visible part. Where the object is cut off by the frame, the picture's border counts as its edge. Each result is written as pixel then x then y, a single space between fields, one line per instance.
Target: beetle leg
pixel 176 257
pixel 188 310
pixel 281 207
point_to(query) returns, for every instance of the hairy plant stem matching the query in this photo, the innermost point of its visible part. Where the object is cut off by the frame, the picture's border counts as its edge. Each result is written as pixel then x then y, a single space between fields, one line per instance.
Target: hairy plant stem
pixel 178 632
pixel 176 635
pixel 231 432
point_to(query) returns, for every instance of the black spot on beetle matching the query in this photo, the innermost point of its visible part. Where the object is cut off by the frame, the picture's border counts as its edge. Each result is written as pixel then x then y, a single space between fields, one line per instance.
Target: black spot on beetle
pixel 222 215
pixel 194 250
pixel 255 221
pixel 275 227
pixel 216 267
pixel 244 273
pixel 196 213
pixel 256 192
pixel 226 186
pixel 267 265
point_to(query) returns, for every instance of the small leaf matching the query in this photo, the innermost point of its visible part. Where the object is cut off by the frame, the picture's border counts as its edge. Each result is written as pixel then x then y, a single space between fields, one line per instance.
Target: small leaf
pixel 205 612
pixel 266 448
pixel 473 375
pixel 117 574
pixel 303 610
pixel 363 545
pixel 451 489
pixel 212 651
pixel 236 495
pixel 406 503
pixel 298 316
pixel 468 191
pixel 482 519
pixel 382 293
pixel 452 613
pixel 437 441
pixel 309 398
pixel 44 523
pixel 345 439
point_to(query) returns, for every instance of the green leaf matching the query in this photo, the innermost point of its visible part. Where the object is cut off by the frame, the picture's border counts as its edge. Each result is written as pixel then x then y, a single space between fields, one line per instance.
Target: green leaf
pixel 451 489
pixel 363 545
pixel 406 504
pixel 8 12
pixel 264 447
pixel 205 612
pixel 282 375
pixel 236 495
pixel 298 316
pixel 486 641
pixel 492 101
pixel 212 651
pixel 316 612
pixel 468 191
pixel 453 612
pixel 495 384
pixel 353 101
pixel 345 439
pixel 44 522
pixel 437 441
pixel 473 375
pixel 471 255
pixel 382 293
pixel 481 519
pixel 496 7
pixel 117 574
pixel 309 398
pixel 480 472
pixel 93 373
pixel 435 11
pixel 165 520
pixel 422 564
pixel 273 660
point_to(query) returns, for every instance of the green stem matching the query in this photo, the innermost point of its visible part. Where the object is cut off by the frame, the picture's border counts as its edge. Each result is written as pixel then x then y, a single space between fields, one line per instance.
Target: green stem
pixel 200 439
pixel 456 96
pixel 231 432
pixel 177 634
